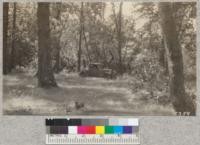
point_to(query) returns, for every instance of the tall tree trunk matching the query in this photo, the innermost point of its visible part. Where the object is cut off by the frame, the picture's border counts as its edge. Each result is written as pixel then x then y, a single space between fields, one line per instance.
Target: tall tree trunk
pixel 181 102
pixel 80 38
pixel 5 36
pixel 120 38
pixel 12 56
pixel 45 72
pixel 86 45
pixel 163 58
pixel 58 59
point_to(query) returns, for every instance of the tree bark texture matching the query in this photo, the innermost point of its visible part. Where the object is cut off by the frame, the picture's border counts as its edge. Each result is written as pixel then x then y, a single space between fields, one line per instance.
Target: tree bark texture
pixel 12 55
pixel 5 37
pixel 181 102
pixel 45 72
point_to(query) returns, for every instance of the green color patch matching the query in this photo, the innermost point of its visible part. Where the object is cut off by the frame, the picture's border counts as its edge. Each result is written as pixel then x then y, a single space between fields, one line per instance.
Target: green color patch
pixel 109 130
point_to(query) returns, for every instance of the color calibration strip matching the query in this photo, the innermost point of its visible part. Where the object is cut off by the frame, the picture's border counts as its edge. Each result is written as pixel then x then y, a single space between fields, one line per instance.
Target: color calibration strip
pixel 92 131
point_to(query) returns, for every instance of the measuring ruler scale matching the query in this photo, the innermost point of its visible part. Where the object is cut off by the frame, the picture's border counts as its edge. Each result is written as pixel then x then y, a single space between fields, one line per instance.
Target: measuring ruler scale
pixel 92 131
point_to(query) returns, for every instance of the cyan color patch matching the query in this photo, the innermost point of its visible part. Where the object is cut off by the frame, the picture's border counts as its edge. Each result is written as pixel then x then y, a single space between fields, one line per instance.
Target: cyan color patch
pixel 118 129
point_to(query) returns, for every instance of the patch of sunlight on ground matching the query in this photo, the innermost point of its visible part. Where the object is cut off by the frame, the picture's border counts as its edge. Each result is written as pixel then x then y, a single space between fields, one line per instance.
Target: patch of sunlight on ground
pixel 99 96
pixel 25 102
pixel 33 106
pixel 30 86
pixel 113 103
pixel 155 109
pixel 114 89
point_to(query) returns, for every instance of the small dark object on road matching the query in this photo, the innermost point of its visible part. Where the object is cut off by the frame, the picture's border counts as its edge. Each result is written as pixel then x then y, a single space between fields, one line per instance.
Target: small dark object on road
pixel 79 105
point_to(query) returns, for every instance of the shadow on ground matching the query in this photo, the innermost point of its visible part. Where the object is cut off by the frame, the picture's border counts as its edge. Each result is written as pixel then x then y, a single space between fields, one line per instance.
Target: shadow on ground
pixel 76 96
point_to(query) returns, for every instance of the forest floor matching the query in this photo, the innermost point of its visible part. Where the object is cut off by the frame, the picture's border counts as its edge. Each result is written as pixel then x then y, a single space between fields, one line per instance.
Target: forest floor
pixel 77 96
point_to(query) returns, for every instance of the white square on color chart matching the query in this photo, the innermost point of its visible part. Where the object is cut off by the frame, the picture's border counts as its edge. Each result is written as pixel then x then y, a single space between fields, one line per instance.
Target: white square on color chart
pixel 72 129
pixel 133 122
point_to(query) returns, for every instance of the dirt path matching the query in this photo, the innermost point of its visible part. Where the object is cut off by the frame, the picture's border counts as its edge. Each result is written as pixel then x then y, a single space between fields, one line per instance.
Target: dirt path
pixel 95 96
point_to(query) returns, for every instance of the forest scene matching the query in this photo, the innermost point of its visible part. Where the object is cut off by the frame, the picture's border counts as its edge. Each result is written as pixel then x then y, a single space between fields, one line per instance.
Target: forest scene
pixel 99 58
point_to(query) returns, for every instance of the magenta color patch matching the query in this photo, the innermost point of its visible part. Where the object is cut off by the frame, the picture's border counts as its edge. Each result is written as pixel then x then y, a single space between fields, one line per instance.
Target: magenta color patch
pixel 82 129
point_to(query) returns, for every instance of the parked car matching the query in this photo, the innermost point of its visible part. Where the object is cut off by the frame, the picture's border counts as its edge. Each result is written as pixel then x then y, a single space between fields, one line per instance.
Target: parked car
pixel 98 70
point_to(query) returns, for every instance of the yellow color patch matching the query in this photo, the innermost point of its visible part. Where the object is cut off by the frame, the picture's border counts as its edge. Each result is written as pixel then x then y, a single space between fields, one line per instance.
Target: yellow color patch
pixel 100 129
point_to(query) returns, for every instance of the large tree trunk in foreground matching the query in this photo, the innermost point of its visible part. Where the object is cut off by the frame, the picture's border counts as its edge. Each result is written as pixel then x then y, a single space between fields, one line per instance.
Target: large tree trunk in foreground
pixel 181 102
pixel 45 72
pixel 5 36
pixel 57 66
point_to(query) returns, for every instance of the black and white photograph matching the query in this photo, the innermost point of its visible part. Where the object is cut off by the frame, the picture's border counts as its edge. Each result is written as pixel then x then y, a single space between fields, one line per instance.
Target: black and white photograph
pixel 99 58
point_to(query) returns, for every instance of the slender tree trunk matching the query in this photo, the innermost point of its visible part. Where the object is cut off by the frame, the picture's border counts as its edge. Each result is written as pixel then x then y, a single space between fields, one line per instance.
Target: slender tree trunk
pixel 181 102
pixel 12 57
pixel 5 36
pixel 80 38
pixel 86 45
pixel 45 72
pixel 120 38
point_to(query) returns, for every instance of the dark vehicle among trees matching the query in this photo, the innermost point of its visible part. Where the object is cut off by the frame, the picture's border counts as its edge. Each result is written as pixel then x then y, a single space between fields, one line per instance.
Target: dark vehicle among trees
pixel 98 70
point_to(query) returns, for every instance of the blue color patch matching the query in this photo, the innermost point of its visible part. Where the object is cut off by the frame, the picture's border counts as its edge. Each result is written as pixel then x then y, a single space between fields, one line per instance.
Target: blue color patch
pixel 118 129
pixel 127 130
